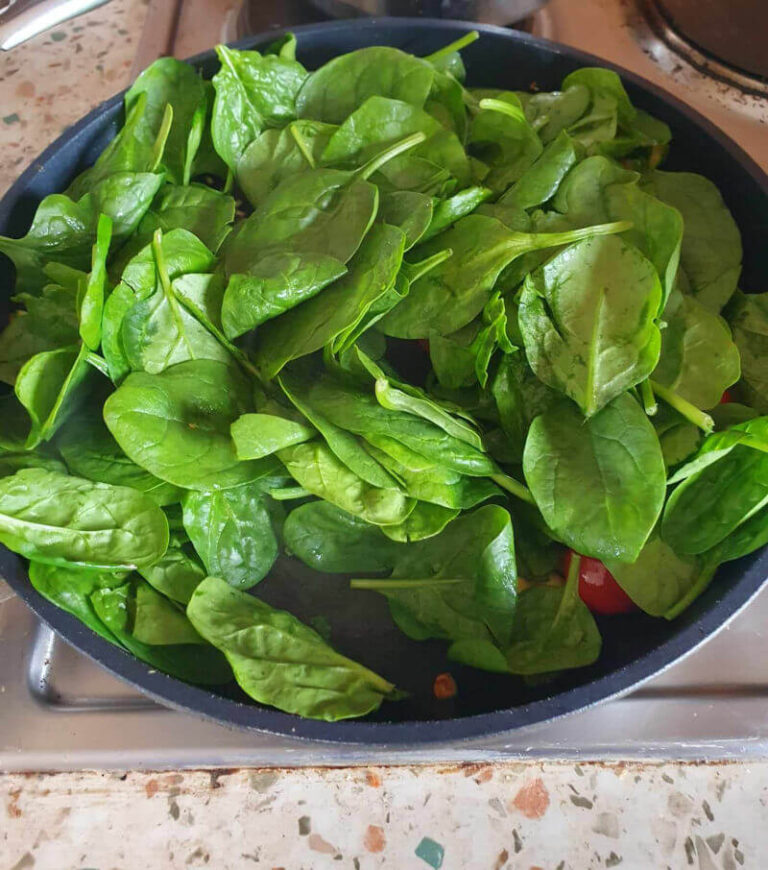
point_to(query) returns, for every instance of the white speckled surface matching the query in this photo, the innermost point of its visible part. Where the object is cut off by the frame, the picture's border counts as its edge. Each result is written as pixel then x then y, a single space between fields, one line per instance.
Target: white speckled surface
pixel 46 84
pixel 514 816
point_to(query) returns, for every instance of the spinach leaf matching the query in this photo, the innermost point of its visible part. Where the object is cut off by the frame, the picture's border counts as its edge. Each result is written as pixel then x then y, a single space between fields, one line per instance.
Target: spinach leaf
pixel 553 630
pixel 259 435
pixel 699 361
pixel 748 317
pixel 451 295
pixel 10 463
pixel 599 483
pixel 711 247
pixel 90 451
pixel 201 210
pixel 541 180
pixel 158 622
pixel 50 517
pixel 273 285
pixel 252 92
pixel 658 579
pixel 233 532
pixel 176 424
pixel 316 468
pixel 70 589
pixel 193 663
pixel 333 541
pixel 744 539
pixel 278 660
pixel 425 521
pixel 342 85
pixel 460 584
pixel 90 291
pixel 549 113
pixel 447 211
pixel 410 211
pixel 714 500
pixel 588 321
pixel 319 320
pixel 275 155
pixel 177 574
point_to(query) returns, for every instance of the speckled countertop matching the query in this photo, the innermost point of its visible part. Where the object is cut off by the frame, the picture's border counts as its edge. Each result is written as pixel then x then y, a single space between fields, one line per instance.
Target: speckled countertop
pixel 514 816
pixel 46 84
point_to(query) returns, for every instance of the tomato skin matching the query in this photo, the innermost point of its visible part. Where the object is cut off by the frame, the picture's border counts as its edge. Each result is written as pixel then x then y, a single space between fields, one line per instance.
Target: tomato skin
pixel 597 587
pixel 726 398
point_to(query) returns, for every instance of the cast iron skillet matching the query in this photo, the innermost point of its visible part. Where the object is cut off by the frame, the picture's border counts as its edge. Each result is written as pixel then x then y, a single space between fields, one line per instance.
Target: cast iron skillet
pixel 635 646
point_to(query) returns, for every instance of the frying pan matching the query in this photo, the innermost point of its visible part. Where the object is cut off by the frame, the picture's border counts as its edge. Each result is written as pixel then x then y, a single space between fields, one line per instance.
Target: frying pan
pixel 635 647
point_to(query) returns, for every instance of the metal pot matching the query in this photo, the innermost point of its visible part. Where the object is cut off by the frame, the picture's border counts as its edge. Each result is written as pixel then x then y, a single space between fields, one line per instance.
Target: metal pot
pixel 484 11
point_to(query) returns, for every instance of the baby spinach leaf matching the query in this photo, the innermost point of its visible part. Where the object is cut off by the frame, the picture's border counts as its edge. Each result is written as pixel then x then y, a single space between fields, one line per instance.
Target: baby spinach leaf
pixel 599 483
pixel 714 500
pixel 699 361
pixel 70 589
pixel 275 155
pixel 333 541
pixel 50 517
pixel 588 321
pixel 158 332
pixel 319 320
pixel 658 579
pixel 201 210
pixel 744 539
pixel 553 630
pixel 451 295
pixel 541 180
pixel 549 113
pixel 342 85
pixel 193 663
pixel 748 316
pixel 170 82
pixel 90 292
pixel 258 435
pixel 410 211
pixel 50 386
pixel 711 246
pixel 176 575
pixel 10 463
pixel 315 467
pixel 424 521
pixel 278 660
pixel 233 532
pixel 176 424
pixel 273 285
pixel 447 211
pixel 252 92
pixel 158 622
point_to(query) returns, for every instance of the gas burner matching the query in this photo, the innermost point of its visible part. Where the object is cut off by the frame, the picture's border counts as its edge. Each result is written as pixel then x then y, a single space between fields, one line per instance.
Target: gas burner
pixel 715 38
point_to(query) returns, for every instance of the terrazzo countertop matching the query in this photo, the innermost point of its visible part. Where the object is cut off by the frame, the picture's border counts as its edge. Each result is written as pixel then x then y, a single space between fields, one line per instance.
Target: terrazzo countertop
pixel 46 84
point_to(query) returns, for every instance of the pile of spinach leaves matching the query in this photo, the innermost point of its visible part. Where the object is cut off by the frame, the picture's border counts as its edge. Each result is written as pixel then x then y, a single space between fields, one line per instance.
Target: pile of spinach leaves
pixel 220 353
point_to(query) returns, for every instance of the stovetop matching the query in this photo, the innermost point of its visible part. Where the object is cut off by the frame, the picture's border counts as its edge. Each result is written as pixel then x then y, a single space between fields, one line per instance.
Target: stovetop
pixel 58 710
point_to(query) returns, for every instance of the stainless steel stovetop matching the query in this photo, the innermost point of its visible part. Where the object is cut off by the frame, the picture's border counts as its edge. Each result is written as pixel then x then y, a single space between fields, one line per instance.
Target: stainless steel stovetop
pixel 58 710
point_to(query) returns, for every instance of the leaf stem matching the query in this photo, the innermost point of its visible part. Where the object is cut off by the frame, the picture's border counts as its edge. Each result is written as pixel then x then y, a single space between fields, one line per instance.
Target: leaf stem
pixel 460 43
pixel 503 107
pixel 98 362
pixel 229 181
pixel 301 142
pixel 162 137
pixel 649 400
pixel 410 583
pixel 511 485
pixel 367 170
pixel 414 271
pixel 704 579
pixel 684 407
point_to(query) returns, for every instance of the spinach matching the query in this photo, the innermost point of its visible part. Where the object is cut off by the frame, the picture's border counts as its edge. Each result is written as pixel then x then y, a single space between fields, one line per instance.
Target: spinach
pixel 409 211
pixel 233 532
pixel 90 288
pixel 50 517
pixel 447 211
pixel 599 483
pixel 451 295
pixel 177 574
pixel 273 285
pixel 424 521
pixel 541 180
pixel 278 660
pixel 277 154
pixel 200 210
pixel 699 360
pixel 748 317
pixel 70 588
pixel 176 424
pixel 158 622
pixel 713 501
pixel 259 435
pixel 194 663
pixel 252 92
pixel 588 321
pixel 331 540
pixel 711 248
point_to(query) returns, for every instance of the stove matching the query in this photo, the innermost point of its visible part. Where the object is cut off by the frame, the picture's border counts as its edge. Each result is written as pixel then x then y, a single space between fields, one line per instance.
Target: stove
pixel 60 711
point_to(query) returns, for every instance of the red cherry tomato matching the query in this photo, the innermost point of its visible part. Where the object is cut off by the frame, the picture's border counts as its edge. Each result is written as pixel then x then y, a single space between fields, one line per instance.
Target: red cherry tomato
pixel 726 398
pixel 597 587
pixel 423 344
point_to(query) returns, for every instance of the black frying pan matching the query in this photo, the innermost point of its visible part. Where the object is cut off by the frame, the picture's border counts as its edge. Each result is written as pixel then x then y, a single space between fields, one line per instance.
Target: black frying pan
pixel 635 646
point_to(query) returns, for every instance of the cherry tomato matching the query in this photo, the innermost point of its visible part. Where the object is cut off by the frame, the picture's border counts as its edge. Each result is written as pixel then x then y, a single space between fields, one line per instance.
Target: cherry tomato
pixel 597 587
pixel 444 687
pixel 423 344
pixel 726 398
